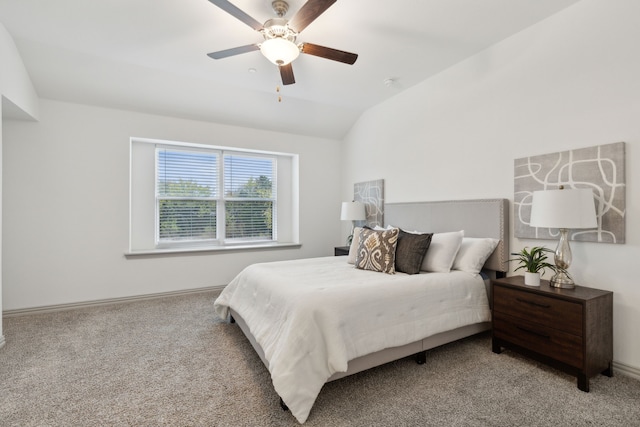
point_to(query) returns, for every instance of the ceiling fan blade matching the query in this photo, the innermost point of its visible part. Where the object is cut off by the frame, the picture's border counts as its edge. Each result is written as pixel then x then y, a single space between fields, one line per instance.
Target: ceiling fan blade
pixel 329 53
pixel 286 73
pixel 233 51
pixel 308 13
pixel 237 13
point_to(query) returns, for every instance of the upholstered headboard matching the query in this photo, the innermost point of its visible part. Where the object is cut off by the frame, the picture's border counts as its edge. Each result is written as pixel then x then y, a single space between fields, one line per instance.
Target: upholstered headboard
pixel 478 218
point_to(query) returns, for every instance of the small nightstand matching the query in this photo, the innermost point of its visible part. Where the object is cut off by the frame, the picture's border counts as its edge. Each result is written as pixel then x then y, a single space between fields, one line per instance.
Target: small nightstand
pixel 569 329
pixel 341 250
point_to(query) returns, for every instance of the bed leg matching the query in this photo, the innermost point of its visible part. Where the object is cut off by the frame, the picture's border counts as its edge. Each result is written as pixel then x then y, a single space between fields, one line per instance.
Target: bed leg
pixel 421 358
pixel 231 319
pixel 283 405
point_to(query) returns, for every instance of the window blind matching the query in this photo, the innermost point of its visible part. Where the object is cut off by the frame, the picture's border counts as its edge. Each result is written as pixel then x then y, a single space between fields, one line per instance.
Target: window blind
pixel 249 197
pixel 186 195
pixel 193 197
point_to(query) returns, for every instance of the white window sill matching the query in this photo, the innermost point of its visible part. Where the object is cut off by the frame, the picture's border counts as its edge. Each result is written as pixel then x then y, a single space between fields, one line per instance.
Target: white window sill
pixel 212 249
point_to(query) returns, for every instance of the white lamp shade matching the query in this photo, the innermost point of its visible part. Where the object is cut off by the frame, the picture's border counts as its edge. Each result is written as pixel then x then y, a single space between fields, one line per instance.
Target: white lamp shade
pixel 279 51
pixel 563 209
pixel 353 211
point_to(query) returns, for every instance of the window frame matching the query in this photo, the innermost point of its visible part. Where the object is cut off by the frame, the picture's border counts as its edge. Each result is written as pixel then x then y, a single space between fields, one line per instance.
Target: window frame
pixel 284 196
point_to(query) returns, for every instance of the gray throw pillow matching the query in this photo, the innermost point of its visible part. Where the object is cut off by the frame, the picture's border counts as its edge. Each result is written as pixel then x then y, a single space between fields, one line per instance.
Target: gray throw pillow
pixel 411 250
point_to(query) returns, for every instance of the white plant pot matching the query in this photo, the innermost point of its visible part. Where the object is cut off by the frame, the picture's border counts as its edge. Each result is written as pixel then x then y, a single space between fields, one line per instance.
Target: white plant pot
pixel 531 279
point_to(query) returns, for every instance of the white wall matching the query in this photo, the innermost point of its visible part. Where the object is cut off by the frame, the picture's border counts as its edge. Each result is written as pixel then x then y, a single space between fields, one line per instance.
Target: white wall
pixel 17 92
pixel 569 82
pixel 66 205
pixel 15 83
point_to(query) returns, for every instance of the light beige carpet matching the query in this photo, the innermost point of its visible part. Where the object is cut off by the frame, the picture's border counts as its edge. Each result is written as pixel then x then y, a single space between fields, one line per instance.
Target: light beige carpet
pixel 171 362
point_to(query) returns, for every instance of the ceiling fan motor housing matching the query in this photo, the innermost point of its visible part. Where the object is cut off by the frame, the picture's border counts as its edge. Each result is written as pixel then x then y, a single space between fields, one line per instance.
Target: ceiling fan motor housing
pixel 280 7
pixel 278 28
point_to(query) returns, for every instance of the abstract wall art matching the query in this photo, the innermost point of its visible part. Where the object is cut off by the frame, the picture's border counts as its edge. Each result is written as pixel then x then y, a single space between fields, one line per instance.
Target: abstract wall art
pixel 371 193
pixel 600 168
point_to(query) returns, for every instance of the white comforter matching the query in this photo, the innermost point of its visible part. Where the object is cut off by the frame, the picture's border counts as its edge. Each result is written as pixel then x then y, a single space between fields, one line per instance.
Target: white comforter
pixel 312 316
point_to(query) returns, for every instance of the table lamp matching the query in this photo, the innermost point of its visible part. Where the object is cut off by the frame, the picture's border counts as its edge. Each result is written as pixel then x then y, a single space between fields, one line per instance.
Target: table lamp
pixel 564 210
pixel 352 211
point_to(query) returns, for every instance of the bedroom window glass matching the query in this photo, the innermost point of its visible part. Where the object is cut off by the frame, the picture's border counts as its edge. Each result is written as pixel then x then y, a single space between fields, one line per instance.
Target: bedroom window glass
pixel 249 198
pixel 186 195
pixel 197 197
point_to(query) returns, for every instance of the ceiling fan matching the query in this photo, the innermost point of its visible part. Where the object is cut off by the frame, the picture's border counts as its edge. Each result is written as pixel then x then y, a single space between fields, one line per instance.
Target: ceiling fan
pixel 279 45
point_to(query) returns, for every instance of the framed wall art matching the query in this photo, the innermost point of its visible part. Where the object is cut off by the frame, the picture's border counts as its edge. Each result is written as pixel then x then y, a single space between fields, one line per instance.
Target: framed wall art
pixel 600 168
pixel 371 193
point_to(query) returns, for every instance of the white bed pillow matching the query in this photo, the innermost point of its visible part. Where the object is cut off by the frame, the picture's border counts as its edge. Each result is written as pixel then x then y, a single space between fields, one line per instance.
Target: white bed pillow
pixel 442 251
pixel 355 242
pixel 473 254
pixel 380 228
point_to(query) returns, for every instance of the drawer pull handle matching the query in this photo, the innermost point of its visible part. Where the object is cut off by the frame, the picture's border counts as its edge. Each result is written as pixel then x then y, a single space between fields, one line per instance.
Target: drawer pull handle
pixel 545 336
pixel 533 303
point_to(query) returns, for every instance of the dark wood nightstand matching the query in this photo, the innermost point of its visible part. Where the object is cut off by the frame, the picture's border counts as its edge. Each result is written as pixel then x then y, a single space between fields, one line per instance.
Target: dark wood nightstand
pixel 569 329
pixel 341 250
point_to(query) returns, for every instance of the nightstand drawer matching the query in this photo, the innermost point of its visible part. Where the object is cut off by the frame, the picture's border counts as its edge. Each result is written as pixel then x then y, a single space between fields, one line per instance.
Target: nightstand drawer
pixel 558 345
pixel 546 311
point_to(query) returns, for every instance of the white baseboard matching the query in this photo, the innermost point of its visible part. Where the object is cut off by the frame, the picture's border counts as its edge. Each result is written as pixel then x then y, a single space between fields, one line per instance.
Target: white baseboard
pixel 626 370
pixel 85 304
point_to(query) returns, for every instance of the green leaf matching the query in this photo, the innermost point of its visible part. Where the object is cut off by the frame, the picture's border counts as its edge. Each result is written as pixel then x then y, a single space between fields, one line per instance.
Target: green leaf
pixel 533 260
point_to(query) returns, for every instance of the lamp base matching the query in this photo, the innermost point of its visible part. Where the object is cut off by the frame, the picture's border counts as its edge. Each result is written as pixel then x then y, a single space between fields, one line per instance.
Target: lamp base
pixel 562 280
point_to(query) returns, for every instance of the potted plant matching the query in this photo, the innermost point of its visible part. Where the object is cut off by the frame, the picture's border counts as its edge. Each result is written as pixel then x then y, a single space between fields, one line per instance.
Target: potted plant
pixel 534 262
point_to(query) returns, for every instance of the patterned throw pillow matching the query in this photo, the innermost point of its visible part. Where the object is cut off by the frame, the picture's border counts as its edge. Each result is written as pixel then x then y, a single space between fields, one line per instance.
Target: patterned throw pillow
pixel 377 250
pixel 411 250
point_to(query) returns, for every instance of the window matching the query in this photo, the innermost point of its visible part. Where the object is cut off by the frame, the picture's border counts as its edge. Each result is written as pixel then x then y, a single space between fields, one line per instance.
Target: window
pixel 186 196
pixel 211 197
pixel 249 198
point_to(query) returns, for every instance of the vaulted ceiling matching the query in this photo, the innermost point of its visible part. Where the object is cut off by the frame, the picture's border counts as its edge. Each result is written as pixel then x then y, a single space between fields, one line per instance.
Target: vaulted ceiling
pixel 150 55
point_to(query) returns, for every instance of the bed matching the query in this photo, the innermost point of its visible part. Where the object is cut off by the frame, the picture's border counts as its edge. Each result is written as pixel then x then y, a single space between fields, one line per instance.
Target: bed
pixel 317 320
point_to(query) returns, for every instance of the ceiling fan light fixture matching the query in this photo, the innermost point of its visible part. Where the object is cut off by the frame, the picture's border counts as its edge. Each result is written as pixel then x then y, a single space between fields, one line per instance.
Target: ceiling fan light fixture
pixel 279 51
